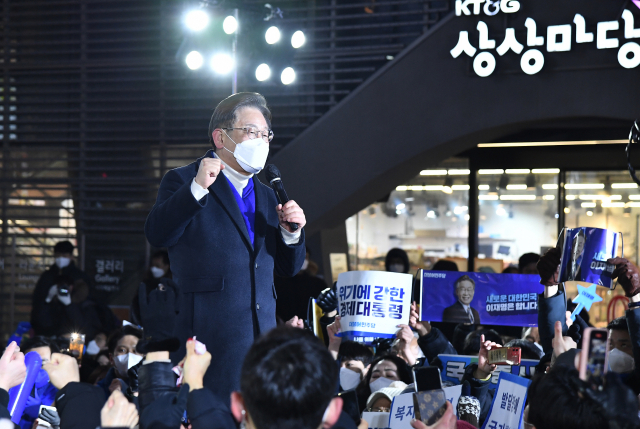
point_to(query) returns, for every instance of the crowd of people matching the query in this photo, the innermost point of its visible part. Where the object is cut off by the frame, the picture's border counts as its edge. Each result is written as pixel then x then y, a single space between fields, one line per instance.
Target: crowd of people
pixel 127 376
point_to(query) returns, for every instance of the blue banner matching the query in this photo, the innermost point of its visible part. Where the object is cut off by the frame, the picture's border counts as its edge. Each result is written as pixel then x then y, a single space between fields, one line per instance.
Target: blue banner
pixel 487 298
pixel 584 255
pixel 453 367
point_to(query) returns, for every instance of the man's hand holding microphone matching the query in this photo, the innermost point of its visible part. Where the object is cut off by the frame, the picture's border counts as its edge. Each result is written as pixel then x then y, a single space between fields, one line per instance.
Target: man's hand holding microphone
pixel 208 171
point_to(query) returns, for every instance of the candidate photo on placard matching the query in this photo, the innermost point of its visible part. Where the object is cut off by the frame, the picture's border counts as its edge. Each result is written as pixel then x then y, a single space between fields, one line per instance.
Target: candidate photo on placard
pixel 461 311
pixel 577 254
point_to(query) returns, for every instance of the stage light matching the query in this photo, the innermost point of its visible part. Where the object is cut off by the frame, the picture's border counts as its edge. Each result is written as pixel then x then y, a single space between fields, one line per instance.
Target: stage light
pixel 298 39
pixel 222 63
pixel 194 60
pixel 288 76
pixel 230 24
pixel 263 72
pixel 196 20
pixel 272 35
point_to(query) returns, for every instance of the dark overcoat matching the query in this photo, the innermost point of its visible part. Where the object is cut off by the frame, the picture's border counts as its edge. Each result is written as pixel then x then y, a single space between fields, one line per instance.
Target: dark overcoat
pixel 227 293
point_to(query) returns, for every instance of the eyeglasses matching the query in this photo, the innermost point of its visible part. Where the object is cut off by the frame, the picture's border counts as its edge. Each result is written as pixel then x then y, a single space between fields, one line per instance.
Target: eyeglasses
pixel 254 133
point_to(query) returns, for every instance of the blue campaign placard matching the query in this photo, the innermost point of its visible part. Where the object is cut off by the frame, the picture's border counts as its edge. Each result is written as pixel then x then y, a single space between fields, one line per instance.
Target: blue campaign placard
pixel 453 367
pixel 507 408
pixel 487 298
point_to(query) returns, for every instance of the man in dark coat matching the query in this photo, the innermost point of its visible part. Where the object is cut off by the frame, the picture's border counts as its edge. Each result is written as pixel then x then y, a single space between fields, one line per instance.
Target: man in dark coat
pixel 46 292
pixel 461 311
pixel 226 235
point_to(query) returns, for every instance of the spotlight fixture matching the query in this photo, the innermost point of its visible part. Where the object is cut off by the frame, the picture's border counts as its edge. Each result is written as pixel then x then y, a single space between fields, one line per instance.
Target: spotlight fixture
pixel 222 63
pixel 230 24
pixel 298 39
pixel 288 76
pixel 196 20
pixel 272 35
pixel 194 60
pixel 263 72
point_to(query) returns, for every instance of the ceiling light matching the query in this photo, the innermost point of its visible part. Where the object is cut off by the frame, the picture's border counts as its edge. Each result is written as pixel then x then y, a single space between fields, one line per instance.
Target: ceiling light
pixel 400 206
pixel 610 204
pixel 460 187
pixel 222 63
pixel 549 197
pixel 490 171
pixel 567 210
pixel 517 197
pixel 517 171
pixel 588 205
pixel 486 188
pixel 401 188
pixel 272 35
pixel 288 76
pixel 431 214
pixel 633 204
pixel 584 186
pixel 298 39
pixel 549 186
pixel 263 72
pixel 432 187
pixel 433 173
pixel 570 197
pixel 194 60
pixel 488 197
pixel 447 189
pixel 589 213
pixel 545 171
pixel 516 187
pixel 230 24
pixel 624 185
pixel 458 172
pixel 467 217
pixel 500 211
pixel 196 20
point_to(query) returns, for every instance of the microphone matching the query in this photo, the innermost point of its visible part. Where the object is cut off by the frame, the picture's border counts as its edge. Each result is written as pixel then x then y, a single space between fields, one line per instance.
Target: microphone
pixel 273 176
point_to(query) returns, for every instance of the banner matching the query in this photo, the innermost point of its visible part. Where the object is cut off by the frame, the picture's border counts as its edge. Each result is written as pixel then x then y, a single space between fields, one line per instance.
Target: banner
pixel 373 303
pixel 508 404
pixel 402 407
pixel 453 367
pixel 584 255
pixel 487 298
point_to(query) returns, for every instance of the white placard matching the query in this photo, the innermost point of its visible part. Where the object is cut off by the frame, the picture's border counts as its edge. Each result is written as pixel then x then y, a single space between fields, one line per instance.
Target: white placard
pixel 452 394
pixel 402 412
pixel 376 420
pixel 373 303
pixel 508 402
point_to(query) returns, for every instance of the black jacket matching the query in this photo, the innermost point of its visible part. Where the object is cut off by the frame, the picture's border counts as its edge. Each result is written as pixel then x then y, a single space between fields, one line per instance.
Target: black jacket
pixel 79 406
pixel 4 403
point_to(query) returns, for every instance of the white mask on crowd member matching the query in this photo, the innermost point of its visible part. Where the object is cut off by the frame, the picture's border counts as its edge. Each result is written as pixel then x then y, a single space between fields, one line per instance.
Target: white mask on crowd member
pixel 63 262
pixel 124 362
pixel 93 348
pixel 380 383
pixel 620 361
pixel 396 268
pixel 157 272
pixel 305 265
pixel 349 379
pixel 250 154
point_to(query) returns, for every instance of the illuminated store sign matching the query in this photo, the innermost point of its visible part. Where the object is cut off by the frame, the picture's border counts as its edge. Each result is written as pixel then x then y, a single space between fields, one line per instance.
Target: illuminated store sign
pixel 559 38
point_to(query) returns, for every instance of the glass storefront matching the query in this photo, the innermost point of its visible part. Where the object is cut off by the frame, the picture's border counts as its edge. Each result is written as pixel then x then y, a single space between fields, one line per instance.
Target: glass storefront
pixel 428 217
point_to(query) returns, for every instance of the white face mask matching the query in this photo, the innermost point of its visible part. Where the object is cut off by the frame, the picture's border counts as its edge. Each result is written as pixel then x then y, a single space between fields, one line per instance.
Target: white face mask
pixel 124 362
pixel 63 262
pixel 93 348
pixel 157 272
pixel 250 154
pixel 305 265
pixel 396 268
pixel 380 383
pixel 349 379
pixel 620 361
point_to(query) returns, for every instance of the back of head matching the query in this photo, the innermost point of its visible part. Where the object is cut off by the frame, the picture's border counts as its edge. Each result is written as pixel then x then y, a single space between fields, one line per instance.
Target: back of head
pixel 472 341
pixel 555 401
pixel 29 344
pixel 444 265
pixel 351 350
pixel 528 259
pixel 225 113
pixel 528 350
pixel 288 379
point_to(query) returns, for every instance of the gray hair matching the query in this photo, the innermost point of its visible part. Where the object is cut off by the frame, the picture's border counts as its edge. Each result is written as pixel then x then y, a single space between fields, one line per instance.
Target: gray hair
pixel 225 113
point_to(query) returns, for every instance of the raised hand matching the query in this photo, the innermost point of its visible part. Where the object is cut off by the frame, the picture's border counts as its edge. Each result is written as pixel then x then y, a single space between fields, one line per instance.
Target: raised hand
pixel 12 368
pixel 208 171
pixel 422 328
pixel 484 367
pixel 291 212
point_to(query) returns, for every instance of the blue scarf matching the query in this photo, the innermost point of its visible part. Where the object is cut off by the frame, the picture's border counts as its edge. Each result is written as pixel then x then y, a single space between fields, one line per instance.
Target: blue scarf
pixel 247 206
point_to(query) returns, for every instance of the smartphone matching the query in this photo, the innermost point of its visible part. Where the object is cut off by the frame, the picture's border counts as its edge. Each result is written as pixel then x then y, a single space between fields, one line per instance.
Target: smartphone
pixel 350 404
pixel 42 423
pixel 426 378
pixel 505 356
pixel 429 405
pixel 63 291
pixel 76 342
pixel 593 357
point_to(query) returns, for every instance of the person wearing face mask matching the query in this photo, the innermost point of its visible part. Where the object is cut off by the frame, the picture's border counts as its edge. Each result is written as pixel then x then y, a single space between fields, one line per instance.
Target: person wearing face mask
pixel 46 289
pixel 123 356
pixel 159 269
pixel 397 261
pixel 294 292
pixel 384 370
pixel 227 236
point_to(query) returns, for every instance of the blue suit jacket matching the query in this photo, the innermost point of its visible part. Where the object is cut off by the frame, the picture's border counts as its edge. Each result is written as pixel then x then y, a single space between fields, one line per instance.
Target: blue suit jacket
pixel 228 297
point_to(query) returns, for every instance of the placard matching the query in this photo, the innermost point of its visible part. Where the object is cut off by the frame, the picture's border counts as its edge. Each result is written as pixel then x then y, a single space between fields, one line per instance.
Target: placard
pixel 376 420
pixel 487 298
pixel 402 411
pixel 453 367
pixel 373 303
pixel 508 403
